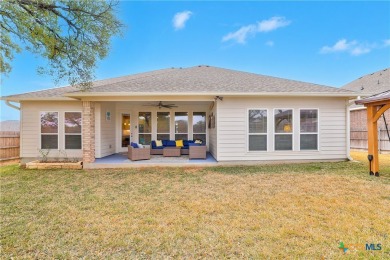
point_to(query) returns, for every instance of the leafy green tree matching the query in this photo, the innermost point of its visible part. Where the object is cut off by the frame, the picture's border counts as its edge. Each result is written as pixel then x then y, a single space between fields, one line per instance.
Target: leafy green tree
pixel 72 35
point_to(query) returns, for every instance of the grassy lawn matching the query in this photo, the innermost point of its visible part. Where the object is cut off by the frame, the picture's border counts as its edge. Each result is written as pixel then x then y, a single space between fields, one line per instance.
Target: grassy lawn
pixel 275 211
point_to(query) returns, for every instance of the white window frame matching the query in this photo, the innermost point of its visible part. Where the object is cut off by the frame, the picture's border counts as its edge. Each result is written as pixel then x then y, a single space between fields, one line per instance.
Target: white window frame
pixel 292 129
pixel 192 123
pixel 40 130
pixel 81 133
pixel 188 124
pixel 169 132
pixel 151 127
pixel 318 129
pixel 248 134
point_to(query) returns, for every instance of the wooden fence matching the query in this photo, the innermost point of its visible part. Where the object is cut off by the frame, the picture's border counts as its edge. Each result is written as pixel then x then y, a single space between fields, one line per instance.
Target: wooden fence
pixel 9 145
pixel 359 140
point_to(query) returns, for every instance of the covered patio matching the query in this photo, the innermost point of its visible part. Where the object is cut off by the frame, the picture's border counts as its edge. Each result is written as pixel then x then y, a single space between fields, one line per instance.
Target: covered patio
pixel 120 160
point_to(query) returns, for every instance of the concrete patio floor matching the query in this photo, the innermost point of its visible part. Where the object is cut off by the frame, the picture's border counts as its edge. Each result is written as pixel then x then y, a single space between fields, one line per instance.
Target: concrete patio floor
pixel 120 160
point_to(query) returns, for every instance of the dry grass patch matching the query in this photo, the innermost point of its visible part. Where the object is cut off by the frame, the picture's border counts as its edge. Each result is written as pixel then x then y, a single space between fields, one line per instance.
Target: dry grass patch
pixel 361 156
pixel 278 211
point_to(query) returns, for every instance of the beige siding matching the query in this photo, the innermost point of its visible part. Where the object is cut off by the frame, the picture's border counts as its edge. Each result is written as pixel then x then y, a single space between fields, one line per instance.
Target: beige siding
pixel 98 129
pixel 232 128
pixel 213 133
pixel 30 126
pixel 107 129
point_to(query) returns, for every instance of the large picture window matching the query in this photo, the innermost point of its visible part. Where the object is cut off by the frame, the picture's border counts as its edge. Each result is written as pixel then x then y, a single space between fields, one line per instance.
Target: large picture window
pixel 309 129
pixel 163 125
pixel 199 126
pixel 72 130
pixel 49 130
pixel 257 130
pixel 145 127
pixel 181 125
pixel 283 129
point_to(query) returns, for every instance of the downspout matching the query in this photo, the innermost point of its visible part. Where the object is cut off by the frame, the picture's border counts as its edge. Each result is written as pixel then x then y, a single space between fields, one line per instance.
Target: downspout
pixel 7 102
pixel 348 123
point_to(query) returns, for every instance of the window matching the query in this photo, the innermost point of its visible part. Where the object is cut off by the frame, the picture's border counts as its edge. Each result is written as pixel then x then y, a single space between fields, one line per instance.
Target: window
pixel 257 130
pixel 181 125
pixel 163 125
pixel 199 126
pixel 72 130
pixel 145 127
pixel 49 130
pixel 283 129
pixel 309 129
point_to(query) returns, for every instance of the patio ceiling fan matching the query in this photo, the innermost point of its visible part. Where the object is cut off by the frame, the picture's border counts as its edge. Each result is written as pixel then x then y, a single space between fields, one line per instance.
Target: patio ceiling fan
pixel 160 105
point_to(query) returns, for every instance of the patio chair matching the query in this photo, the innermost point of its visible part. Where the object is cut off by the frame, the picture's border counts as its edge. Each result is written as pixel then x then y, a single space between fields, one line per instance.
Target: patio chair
pixel 197 152
pixel 136 154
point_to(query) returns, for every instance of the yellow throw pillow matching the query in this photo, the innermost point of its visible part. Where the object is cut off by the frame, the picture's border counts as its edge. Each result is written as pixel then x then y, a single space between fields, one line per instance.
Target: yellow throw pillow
pixel 179 143
pixel 159 143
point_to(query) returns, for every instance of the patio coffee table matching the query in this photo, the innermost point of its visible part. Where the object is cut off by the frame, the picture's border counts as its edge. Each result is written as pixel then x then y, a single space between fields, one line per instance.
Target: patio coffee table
pixel 171 152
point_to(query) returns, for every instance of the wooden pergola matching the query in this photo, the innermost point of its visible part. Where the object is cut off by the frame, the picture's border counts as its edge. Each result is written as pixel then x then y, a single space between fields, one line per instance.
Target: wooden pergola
pixel 376 105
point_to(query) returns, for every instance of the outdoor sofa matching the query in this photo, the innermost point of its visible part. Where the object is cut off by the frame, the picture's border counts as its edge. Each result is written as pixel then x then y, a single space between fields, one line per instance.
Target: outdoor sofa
pixel 158 150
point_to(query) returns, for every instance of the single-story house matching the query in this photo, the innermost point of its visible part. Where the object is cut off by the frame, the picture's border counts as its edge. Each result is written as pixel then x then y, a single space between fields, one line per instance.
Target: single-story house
pixel 240 116
pixel 368 85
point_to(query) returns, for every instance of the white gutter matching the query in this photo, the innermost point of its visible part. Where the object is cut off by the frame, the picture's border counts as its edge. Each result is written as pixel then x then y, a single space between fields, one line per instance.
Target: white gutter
pixel 7 102
pixel 17 99
pixel 251 94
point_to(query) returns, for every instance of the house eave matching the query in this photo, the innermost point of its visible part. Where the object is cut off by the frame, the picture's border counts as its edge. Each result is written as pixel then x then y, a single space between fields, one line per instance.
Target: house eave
pixel 123 96
pixel 20 99
pixel 208 94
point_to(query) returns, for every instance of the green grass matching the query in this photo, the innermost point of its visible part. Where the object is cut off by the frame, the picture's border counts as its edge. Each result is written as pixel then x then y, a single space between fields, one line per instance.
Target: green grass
pixel 268 211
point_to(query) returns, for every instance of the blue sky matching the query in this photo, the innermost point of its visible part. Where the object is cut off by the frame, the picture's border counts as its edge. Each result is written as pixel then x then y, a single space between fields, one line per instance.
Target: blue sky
pixel 330 43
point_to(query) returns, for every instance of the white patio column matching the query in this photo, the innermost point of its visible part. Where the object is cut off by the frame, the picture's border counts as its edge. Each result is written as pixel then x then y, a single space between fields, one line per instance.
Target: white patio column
pixel 88 131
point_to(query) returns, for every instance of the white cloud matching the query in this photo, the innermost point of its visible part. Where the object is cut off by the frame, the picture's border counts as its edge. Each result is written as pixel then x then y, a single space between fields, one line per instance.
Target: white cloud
pixel 241 35
pixel 359 50
pixel 272 24
pixel 341 45
pixel 270 43
pixel 180 19
pixel 386 43
pixel 354 48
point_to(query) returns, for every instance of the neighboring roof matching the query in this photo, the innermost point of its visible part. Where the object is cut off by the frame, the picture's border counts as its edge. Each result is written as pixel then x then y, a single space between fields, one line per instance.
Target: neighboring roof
pixel 10 126
pixel 384 96
pixel 373 83
pixel 201 80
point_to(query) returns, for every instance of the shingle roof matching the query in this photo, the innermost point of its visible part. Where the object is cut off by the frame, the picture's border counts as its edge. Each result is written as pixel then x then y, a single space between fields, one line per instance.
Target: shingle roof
pixel 198 79
pixel 373 83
